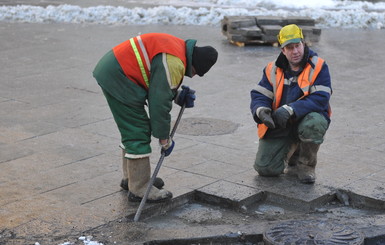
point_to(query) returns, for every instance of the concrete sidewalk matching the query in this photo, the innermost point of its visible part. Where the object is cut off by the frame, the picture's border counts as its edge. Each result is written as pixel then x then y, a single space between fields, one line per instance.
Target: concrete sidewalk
pixel 60 165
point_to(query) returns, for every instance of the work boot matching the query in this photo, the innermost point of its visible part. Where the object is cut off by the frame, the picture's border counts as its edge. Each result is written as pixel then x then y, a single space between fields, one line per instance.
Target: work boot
pixel 293 155
pixel 158 183
pixel 307 161
pixel 124 182
pixel 139 171
pixel 292 160
pixel 306 174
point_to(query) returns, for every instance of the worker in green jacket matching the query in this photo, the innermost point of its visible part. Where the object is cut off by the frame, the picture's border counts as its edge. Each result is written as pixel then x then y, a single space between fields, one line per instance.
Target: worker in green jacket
pixel 140 78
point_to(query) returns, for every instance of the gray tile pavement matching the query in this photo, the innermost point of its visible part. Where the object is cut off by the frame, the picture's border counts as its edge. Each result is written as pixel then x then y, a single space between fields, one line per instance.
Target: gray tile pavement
pixel 59 156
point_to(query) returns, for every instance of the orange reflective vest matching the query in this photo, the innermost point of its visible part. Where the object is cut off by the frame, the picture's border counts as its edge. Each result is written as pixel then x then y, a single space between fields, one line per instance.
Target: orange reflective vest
pixel 135 55
pixel 276 78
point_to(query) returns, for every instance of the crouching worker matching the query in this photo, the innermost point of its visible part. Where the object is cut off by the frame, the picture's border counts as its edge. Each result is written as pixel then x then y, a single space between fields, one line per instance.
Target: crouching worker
pixel 147 70
pixel 291 107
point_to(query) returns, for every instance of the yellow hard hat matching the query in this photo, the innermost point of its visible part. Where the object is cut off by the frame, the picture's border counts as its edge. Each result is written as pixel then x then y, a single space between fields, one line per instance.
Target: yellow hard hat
pixel 289 34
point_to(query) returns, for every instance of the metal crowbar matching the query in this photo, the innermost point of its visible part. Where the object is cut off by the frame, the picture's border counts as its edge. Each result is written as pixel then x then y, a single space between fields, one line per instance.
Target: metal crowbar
pixel 156 170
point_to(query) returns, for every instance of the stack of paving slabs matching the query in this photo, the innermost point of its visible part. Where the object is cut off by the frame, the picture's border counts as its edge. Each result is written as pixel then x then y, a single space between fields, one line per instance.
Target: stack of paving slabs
pixel 241 30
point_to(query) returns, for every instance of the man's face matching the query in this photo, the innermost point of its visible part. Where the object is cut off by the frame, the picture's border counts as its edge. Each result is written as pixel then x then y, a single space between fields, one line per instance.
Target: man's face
pixel 294 54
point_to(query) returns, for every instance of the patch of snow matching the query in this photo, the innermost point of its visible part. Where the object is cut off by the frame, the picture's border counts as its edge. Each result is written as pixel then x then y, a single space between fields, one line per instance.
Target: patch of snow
pixel 329 13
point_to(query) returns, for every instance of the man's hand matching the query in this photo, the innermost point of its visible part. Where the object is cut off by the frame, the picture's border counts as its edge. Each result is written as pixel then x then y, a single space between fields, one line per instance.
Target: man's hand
pixel 167 147
pixel 282 115
pixel 264 114
pixel 185 97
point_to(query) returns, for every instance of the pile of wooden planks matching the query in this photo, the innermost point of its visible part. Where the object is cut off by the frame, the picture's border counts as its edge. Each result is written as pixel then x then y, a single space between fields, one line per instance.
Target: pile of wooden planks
pixel 241 30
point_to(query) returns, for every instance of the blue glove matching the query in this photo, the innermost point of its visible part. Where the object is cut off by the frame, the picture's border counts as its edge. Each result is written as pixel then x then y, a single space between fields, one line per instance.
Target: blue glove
pixel 167 149
pixel 185 97
pixel 281 116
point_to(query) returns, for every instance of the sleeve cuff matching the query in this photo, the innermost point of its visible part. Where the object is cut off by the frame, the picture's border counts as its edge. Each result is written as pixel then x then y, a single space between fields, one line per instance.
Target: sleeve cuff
pixel 289 109
pixel 259 109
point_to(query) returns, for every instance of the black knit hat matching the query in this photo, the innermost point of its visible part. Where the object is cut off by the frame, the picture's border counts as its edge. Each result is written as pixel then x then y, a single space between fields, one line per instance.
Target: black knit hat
pixel 203 59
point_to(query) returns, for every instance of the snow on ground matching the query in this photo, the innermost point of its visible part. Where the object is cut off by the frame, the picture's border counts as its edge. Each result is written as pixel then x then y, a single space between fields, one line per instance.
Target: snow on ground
pixel 329 13
pixel 86 241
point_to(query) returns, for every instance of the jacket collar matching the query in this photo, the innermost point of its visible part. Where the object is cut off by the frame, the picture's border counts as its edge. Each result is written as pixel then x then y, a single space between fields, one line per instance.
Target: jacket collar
pixel 190 44
pixel 283 63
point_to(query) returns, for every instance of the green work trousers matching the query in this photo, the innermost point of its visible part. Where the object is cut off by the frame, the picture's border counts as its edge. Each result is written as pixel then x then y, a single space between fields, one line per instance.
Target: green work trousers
pixel 134 127
pixel 273 152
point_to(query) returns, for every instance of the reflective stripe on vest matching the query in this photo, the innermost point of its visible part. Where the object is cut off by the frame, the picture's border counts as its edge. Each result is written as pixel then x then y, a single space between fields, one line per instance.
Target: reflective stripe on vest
pixel 277 79
pixel 135 55
pixel 139 59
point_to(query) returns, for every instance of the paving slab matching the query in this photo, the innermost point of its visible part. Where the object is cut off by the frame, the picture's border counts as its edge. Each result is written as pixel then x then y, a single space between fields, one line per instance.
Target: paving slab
pixel 59 156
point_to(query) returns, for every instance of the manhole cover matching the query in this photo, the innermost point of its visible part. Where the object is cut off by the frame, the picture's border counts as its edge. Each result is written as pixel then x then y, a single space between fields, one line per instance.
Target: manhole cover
pixel 199 126
pixel 312 232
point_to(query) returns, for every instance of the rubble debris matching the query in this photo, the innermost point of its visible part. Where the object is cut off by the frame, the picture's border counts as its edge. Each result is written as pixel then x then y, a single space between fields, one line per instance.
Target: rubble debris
pixel 242 30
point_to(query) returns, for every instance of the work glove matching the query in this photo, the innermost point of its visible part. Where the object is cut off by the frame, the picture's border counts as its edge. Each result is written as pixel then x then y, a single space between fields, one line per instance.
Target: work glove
pixel 186 96
pixel 168 147
pixel 282 115
pixel 264 114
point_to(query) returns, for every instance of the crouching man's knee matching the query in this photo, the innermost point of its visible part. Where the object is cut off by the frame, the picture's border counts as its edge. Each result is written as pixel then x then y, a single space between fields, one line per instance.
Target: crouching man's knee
pixel 269 170
pixel 312 128
pixel 270 158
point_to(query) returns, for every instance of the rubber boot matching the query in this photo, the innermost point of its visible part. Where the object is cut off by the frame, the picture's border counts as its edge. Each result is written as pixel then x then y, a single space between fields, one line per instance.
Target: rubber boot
pixel 139 171
pixel 294 155
pixel 124 182
pixel 307 162
pixel 292 160
pixel 158 183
